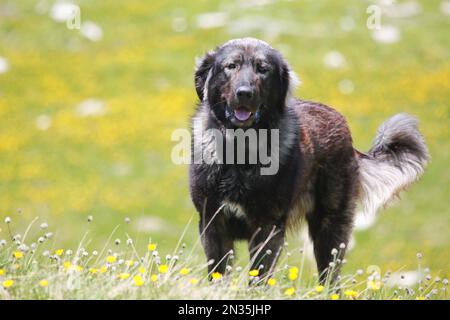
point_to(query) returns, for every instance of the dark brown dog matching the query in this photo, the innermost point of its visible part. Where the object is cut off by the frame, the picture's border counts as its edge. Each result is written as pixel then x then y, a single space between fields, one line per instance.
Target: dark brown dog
pixel 246 84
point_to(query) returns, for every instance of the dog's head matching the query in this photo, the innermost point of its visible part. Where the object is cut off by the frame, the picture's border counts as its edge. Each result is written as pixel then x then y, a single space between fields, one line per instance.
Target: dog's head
pixel 244 82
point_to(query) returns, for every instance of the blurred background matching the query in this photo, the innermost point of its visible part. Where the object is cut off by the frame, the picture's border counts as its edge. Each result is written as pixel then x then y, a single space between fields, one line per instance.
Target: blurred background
pixel 86 113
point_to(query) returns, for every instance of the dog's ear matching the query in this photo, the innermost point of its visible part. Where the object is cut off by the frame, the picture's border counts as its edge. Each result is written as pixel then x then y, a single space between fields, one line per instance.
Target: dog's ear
pixel 289 82
pixel 202 69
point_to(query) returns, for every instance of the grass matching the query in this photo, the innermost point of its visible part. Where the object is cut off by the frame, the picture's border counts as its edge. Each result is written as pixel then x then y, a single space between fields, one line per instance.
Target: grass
pixel 123 271
pixel 117 165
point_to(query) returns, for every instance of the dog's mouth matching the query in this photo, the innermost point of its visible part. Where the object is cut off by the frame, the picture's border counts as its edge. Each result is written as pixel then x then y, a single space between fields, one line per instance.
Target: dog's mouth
pixel 241 116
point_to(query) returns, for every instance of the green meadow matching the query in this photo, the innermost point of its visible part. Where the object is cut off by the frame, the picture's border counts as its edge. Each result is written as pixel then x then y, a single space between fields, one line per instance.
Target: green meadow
pixel 86 117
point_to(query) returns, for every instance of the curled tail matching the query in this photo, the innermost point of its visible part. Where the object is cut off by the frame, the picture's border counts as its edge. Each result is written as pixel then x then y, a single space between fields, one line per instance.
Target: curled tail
pixel 397 159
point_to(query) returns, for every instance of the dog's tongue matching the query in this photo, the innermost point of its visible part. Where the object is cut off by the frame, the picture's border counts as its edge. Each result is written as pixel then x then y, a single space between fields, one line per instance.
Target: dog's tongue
pixel 242 114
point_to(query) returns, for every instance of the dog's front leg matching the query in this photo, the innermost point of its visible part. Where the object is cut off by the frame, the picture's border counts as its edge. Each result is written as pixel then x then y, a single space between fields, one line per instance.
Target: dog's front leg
pixel 216 240
pixel 265 247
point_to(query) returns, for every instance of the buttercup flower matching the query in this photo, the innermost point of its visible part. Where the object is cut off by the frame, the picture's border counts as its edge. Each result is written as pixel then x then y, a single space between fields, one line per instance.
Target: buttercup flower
pixel 124 276
pixel 293 274
pixel 193 281
pixel 59 252
pixel 111 259
pixel 151 247
pixel 254 273
pixel 334 296
pixel 289 292
pixel 319 289
pixel 154 278
pixel 271 282
pixel 351 293
pixel 163 268
pixel 18 255
pixel 8 283
pixel 216 275
pixel 129 263
pixel 293 270
pixel 43 283
pixel 374 285
pixel 93 270
pixel 184 271
pixel 138 280
pixel 142 270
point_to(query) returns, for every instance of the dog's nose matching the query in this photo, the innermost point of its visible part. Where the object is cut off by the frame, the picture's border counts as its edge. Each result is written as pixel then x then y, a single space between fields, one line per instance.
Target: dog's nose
pixel 244 93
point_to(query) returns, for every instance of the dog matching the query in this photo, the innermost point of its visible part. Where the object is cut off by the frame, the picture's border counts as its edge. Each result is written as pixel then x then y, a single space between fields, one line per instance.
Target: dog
pixel 245 84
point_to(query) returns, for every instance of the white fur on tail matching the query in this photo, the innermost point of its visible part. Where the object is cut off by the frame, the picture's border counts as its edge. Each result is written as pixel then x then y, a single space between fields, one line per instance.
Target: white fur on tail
pixel 396 160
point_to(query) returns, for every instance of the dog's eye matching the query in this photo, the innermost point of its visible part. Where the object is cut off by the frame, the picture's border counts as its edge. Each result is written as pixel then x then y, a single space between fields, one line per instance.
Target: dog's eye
pixel 231 66
pixel 261 69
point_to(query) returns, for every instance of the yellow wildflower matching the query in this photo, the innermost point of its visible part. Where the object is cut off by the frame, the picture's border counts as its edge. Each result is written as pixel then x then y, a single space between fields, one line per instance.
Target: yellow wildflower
pixel 111 259
pixel 351 293
pixel 184 271
pixel 374 285
pixel 154 277
pixel 142 270
pixel 271 282
pixel 67 265
pixel 293 270
pixel 138 280
pixel 59 252
pixel 319 289
pixel 124 276
pixel 293 276
pixel 334 296
pixel 103 269
pixel 129 263
pixel 8 283
pixel 289 291
pixel 421 298
pixel 293 273
pixel 2 272
pixel 18 255
pixel 163 268
pixel 43 283
pixel 93 270
pixel 78 268
pixel 151 246
pixel 193 281
pixel 254 273
pixel 216 275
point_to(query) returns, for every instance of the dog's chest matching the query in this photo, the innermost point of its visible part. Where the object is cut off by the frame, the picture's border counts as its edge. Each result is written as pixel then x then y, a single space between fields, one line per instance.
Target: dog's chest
pixel 233 209
pixel 233 186
pixel 237 183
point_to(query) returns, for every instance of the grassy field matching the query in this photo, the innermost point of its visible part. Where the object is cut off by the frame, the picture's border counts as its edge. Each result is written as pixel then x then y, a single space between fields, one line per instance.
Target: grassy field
pixel 86 119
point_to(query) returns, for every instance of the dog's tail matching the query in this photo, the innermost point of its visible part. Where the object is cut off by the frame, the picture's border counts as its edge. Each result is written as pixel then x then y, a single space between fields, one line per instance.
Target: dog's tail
pixel 397 159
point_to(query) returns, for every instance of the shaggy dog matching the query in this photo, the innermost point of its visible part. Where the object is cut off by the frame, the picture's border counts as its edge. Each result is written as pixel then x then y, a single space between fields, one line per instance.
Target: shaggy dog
pixel 246 84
